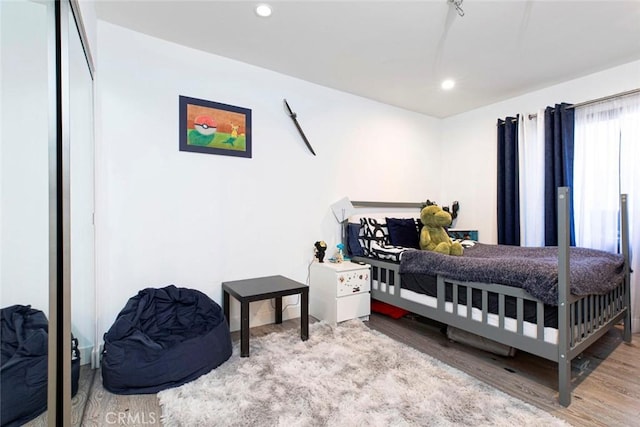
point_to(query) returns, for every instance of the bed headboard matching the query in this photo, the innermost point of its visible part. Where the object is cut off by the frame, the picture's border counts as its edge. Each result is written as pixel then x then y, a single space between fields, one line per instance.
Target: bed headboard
pixel 381 209
pixel 361 204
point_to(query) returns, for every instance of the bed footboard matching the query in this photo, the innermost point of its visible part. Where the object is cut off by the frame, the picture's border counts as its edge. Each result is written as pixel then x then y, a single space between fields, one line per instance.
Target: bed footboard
pixel 532 337
pixel 580 320
pixel 591 316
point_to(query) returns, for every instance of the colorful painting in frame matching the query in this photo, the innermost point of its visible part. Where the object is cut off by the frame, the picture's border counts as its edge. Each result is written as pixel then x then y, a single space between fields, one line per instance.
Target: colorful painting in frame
pixel 214 128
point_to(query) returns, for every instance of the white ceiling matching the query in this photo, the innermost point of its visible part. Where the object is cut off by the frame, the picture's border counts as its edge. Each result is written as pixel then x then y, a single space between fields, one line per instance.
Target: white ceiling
pixel 398 52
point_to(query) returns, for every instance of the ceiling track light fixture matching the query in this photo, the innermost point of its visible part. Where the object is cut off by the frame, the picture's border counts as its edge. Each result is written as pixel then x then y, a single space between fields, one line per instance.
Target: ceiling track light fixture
pixel 458 5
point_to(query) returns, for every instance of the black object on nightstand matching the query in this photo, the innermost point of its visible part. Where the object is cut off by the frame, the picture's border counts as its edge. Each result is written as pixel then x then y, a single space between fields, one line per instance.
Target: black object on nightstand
pixel 262 288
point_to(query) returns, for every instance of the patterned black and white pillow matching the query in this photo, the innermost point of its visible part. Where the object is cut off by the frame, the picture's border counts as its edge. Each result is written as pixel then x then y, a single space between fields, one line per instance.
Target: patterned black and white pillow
pixel 387 252
pixel 372 230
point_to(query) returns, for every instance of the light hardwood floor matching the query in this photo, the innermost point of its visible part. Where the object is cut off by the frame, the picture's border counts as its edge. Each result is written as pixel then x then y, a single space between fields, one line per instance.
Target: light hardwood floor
pixel 606 392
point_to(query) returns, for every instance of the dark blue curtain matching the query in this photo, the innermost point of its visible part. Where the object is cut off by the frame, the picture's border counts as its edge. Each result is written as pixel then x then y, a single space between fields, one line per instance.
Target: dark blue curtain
pixel 508 193
pixel 558 157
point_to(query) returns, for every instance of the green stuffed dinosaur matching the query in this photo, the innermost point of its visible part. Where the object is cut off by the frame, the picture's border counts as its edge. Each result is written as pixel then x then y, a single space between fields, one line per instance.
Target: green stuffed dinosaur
pixel 433 236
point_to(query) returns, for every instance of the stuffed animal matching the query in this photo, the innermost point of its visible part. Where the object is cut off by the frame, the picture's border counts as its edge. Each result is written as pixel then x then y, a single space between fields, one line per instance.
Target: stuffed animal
pixel 433 236
pixel 321 247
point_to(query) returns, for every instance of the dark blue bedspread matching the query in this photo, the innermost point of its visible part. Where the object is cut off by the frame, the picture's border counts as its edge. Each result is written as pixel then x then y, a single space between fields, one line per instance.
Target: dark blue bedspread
pixel 533 269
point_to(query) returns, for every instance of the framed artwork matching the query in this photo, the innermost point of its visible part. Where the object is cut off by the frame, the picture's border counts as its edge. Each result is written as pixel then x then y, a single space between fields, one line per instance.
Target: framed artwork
pixel 214 128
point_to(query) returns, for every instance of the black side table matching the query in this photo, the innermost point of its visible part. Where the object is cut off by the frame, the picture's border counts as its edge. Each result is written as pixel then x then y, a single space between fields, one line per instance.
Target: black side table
pixel 263 288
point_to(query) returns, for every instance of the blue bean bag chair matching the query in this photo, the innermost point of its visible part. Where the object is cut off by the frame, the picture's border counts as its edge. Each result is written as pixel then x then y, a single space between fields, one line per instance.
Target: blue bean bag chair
pixel 24 333
pixel 164 338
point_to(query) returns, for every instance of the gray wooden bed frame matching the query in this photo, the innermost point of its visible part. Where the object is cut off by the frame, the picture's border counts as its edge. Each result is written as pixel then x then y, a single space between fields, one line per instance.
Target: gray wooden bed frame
pixel 601 312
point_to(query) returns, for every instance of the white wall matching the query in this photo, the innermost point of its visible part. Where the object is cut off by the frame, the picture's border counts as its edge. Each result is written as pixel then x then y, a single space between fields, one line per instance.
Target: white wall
pixel 196 220
pixel 469 146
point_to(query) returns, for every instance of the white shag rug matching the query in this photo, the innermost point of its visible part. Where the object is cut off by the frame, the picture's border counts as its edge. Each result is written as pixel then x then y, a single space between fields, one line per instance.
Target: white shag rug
pixel 347 375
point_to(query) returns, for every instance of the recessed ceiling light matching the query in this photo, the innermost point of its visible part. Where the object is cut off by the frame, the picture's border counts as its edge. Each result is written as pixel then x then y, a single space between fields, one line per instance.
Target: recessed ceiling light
pixel 448 84
pixel 263 10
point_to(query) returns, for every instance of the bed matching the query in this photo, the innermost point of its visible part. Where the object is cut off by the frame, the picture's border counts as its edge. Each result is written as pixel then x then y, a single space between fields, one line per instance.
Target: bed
pixel 557 322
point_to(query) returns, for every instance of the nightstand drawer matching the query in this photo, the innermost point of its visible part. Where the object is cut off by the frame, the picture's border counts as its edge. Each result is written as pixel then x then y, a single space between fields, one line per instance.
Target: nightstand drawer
pixel 353 282
pixel 353 306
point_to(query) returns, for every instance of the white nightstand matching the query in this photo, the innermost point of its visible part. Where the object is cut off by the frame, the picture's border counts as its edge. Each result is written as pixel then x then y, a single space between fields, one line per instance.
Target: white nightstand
pixel 339 291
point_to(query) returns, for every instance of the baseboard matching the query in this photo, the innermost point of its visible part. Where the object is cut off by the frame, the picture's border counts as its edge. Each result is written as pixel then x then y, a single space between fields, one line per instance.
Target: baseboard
pixel 85 355
pixel 96 356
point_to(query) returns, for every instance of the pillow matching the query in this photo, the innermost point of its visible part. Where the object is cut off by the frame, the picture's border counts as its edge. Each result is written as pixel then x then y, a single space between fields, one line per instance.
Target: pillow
pixel 353 244
pixel 372 230
pixel 383 251
pixel 403 232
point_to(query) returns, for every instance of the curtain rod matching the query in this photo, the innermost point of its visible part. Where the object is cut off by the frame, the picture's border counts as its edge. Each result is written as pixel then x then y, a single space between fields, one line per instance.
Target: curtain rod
pixel 593 101
pixel 606 98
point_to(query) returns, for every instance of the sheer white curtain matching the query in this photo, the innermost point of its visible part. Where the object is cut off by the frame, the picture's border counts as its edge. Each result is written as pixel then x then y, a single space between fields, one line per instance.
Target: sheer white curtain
pixel 630 184
pixel 531 186
pixel 607 149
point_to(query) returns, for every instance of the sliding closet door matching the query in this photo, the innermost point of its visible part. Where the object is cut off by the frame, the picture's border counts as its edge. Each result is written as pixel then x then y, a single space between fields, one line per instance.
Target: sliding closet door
pixel 24 155
pixel 27 175
pixel 81 183
pixel 46 182
pixel 75 301
pixel 71 302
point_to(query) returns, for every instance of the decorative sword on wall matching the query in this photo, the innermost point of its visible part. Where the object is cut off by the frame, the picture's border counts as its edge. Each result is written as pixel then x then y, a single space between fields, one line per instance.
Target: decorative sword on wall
pixel 295 121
